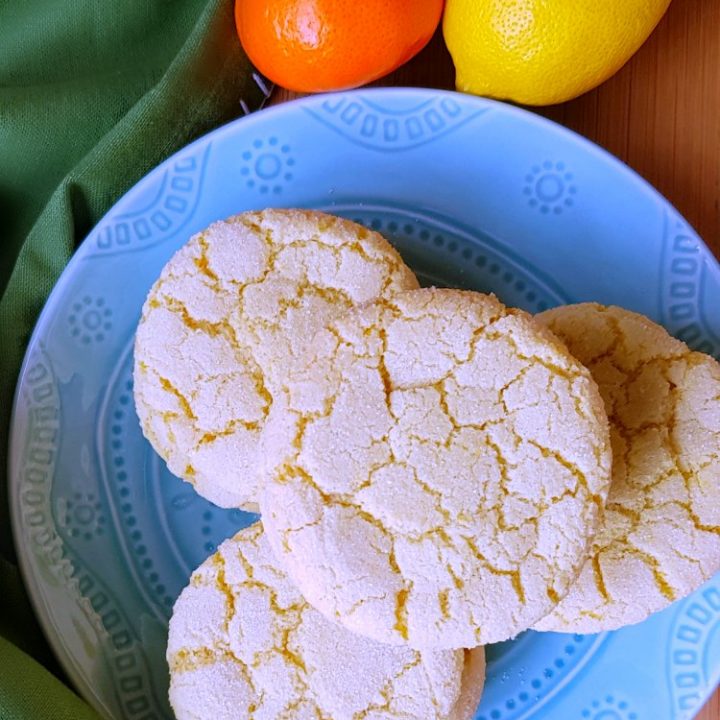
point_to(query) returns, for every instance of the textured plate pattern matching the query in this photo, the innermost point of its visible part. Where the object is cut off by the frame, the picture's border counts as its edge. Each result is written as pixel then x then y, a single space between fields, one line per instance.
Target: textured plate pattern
pixel 474 194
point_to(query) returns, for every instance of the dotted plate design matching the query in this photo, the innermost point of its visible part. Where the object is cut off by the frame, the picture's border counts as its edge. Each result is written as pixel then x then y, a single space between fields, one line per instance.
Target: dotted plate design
pixel 474 194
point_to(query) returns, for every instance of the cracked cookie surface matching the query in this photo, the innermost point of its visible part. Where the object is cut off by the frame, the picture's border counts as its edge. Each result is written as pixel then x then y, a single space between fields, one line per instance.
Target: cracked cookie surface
pixel 243 643
pixel 228 311
pixel 660 538
pixel 438 465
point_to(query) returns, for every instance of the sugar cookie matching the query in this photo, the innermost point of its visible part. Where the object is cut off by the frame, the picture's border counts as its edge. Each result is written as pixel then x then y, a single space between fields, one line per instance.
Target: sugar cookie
pixel 439 465
pixel 220 323
pixel 660 538
pixel 244 644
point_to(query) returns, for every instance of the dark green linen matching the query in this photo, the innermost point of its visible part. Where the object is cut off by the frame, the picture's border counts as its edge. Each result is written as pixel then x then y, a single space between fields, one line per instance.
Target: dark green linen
pixel 93 94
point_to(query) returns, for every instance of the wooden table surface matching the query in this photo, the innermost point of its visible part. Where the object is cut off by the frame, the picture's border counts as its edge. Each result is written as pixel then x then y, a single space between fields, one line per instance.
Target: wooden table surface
pixel 660 114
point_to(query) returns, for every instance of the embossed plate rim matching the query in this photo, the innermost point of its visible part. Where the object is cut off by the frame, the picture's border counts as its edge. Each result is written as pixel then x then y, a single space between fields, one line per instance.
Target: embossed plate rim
pixel 38 596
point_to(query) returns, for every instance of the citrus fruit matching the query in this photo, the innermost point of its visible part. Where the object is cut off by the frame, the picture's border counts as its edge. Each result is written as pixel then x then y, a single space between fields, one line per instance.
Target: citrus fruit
pixel 317 45
pixel 540 52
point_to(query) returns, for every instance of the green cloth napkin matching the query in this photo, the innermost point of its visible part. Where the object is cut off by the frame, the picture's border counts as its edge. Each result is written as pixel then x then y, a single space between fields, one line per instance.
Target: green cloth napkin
pixel 93 94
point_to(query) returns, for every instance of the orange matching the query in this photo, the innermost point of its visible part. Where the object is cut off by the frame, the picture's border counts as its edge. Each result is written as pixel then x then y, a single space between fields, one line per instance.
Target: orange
pixel 318 45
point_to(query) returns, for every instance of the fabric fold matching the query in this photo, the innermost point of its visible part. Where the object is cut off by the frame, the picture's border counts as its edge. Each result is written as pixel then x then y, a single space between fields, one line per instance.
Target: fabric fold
pixel 92 96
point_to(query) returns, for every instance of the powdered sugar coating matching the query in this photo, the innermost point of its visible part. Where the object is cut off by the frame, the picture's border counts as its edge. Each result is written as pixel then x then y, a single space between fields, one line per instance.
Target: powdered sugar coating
pixel 660 539
pixel 221 323
pixel 438 464
pixel 244 643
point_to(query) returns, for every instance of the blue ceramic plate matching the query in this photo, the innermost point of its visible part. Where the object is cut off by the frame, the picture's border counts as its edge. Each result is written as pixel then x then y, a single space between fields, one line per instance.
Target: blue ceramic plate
pixel 474 194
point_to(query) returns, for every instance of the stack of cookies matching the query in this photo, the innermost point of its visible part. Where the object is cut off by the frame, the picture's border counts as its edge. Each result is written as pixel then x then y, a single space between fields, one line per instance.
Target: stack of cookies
pixel 434 471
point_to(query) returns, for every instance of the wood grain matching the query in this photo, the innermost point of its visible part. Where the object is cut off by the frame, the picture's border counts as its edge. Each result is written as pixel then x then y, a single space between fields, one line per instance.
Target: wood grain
pixel 660 114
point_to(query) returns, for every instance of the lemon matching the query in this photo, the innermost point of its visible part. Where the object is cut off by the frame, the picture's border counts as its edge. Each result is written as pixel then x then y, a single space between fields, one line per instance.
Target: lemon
pixel 540 52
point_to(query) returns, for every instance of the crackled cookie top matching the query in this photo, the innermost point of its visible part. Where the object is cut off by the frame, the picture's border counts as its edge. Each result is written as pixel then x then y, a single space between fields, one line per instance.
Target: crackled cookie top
pixel 220 323
pixel 661 535
pixel 244 644
pixel 439 463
